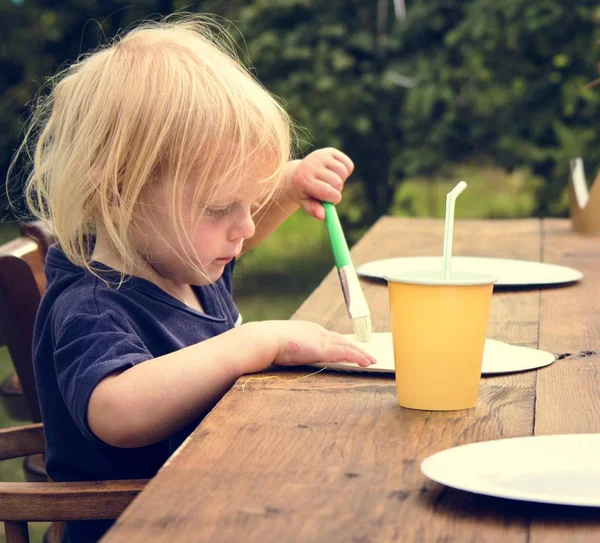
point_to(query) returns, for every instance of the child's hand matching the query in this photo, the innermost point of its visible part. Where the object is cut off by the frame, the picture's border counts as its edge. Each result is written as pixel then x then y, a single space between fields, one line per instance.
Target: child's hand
pixel 303 342
pixel 320 177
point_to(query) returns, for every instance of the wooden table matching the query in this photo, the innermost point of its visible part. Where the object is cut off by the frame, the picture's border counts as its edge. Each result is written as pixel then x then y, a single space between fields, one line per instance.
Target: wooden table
pixel 333 458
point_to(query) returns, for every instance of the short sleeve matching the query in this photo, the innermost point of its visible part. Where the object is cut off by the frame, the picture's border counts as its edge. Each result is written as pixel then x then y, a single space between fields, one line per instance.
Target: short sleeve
pixel 88 348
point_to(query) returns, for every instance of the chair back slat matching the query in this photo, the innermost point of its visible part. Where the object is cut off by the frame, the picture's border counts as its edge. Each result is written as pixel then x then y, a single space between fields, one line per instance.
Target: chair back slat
pixel 37 231
pixel 22 282
pixel 16 532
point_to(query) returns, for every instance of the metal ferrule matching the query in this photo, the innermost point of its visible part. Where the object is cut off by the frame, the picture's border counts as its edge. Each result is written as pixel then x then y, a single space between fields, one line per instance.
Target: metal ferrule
pixel 353 295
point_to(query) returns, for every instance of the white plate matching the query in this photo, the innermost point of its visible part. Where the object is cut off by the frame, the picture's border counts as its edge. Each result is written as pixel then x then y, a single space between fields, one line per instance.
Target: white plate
pixel 508 272
pixel 560 469
pixel 498 357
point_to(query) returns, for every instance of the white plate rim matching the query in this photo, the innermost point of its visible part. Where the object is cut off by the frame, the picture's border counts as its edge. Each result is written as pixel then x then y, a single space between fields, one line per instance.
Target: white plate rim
pixel 574 274
pixel 429 464
pixel 549 357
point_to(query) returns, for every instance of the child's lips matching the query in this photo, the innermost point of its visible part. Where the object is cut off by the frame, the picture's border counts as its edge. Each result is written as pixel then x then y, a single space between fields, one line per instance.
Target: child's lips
pixel 225 259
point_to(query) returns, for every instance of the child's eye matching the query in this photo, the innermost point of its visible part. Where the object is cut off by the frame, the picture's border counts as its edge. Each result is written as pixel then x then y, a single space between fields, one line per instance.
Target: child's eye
pixel 218 212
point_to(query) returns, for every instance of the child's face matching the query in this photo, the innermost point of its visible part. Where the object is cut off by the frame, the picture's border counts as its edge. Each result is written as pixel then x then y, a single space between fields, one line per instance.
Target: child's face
pixel 215 235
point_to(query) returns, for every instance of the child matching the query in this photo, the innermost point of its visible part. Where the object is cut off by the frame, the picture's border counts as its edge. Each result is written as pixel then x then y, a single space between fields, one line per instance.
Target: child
pixel 159 162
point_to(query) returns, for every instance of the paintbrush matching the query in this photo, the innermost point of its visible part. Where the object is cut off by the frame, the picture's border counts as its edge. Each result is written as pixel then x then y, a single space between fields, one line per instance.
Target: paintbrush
pixel 357 307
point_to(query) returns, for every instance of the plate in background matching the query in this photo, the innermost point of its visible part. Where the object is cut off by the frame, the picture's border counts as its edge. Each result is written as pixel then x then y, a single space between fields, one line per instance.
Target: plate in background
pixel 509 272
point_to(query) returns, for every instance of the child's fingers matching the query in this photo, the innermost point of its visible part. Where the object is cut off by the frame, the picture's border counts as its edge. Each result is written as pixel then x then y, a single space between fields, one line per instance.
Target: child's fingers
pixel 339 168
pixel 331 178
pixel 365 353
pixel 314 208
pixel 320 190
pixel 344 342
pixel 344 159
pixel 347 353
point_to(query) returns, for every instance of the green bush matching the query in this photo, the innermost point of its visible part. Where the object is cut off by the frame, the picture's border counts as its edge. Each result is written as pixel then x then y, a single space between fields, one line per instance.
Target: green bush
pixel 503 79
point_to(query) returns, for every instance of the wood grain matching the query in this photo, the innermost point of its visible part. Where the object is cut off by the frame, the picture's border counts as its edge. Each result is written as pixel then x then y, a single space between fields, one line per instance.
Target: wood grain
pixel 333 458
pixel 327 463
pixel 568 391
pixel 67 501
pixel 21 441
pixel 16 532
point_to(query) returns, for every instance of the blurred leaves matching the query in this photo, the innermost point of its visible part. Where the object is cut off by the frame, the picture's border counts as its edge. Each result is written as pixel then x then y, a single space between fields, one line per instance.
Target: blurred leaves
pixel 499 78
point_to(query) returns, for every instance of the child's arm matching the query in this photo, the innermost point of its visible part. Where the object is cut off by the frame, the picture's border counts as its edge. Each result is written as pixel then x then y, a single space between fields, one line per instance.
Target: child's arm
pixel 318 177
pixel 153 399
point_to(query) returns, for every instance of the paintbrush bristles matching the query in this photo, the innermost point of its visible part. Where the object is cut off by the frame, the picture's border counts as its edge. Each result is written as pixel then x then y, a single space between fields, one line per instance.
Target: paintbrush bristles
pixel 363 328
pixel 358 309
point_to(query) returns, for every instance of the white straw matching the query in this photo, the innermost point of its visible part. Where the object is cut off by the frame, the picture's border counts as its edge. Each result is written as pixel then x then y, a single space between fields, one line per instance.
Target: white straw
pixel 449 229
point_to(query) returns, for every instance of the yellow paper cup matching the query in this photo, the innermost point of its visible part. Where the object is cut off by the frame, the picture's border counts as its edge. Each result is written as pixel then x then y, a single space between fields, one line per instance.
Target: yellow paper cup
pixel 439 329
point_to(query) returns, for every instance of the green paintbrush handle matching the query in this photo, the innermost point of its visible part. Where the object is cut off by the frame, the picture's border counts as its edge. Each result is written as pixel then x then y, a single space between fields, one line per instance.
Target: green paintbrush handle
pixel 341 254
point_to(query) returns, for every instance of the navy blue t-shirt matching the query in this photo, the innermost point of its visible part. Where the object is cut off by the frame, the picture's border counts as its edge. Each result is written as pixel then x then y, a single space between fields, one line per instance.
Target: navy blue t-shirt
pixel 86 330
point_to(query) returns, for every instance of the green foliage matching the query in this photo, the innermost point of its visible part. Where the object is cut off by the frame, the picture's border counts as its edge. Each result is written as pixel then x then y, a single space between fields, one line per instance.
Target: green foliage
pixel 492 193
pixel 520 82
pixel 37 39
pixel 328 64
pixel 499 78
pixel 504 78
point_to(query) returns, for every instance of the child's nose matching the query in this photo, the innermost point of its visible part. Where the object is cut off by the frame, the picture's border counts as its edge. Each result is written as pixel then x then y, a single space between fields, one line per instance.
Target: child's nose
pixel 244 227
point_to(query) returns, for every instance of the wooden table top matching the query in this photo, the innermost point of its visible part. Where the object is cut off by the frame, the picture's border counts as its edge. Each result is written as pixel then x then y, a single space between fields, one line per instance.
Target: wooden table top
pixel 334 458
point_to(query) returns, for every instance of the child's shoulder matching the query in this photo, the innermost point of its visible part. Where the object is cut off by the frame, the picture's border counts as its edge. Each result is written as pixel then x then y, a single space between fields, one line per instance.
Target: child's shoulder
pixel 72 290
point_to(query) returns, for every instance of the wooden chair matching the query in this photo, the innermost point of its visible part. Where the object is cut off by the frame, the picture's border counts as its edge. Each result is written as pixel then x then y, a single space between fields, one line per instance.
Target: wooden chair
pixel 18 303
pixel 41 502
pixel 37 231
pixel 21 281
pixel 31 246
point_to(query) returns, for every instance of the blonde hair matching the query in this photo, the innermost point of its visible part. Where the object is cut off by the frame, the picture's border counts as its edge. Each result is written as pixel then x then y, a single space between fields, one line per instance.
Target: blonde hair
pixel 166 100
